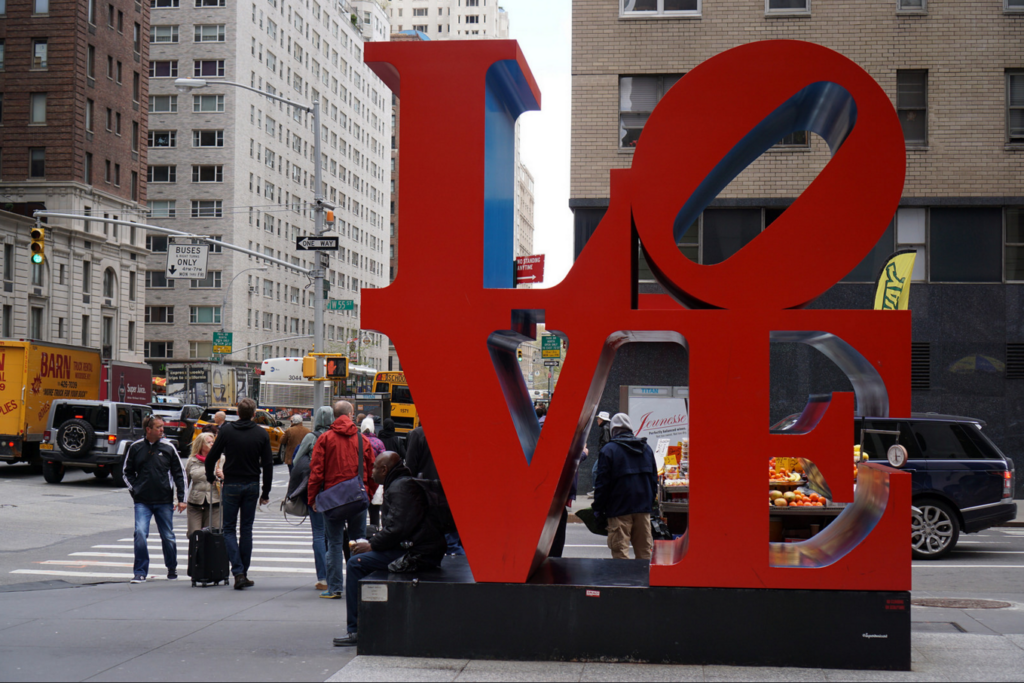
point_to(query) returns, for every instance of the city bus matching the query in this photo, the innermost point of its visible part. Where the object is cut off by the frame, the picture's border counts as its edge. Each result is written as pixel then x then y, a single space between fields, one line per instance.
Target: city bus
pixel 403 410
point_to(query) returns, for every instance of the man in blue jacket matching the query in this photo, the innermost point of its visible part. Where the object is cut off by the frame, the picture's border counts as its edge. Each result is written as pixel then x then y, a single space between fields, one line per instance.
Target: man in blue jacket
pixel 625 484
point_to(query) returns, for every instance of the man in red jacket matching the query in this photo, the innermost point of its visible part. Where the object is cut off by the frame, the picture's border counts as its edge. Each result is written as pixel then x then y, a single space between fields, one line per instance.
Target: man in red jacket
pixel 336 458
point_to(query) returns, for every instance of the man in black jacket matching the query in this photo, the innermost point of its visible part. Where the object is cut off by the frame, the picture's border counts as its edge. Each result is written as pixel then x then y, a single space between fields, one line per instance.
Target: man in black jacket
pixel 420 462
pixel 625 486
pixel 247 449
pixel 407 527
pixel 152 471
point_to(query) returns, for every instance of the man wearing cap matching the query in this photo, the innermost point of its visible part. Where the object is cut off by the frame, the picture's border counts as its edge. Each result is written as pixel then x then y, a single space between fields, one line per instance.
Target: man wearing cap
pixel 604 425
pixel 625 485
pixel 293 436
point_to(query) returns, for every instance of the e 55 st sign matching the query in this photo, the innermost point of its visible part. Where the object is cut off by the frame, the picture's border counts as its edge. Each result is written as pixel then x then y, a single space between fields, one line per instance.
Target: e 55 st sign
pixel 725 314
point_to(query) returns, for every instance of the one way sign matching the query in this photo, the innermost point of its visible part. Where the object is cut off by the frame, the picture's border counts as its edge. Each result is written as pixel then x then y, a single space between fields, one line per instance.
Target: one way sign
pixel 316 243
pixel 187 261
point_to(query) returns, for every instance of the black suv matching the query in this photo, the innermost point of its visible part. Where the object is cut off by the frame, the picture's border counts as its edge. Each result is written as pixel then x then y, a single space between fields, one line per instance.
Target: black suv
pixel 179 423
pixel 962 482
pixel 91 435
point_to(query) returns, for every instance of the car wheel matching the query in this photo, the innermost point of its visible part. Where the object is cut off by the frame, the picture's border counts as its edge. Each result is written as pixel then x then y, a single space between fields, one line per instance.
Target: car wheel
pixel 53 472
pixel 935 531
pixel 101 474
pixel 76 438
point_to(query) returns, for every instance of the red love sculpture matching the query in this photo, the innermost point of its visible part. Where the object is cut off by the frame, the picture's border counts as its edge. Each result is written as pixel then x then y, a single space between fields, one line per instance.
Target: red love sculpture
pixel 508 482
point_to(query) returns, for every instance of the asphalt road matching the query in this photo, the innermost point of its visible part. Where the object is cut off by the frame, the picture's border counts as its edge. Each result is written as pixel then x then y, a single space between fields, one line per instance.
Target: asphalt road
pixel 80 531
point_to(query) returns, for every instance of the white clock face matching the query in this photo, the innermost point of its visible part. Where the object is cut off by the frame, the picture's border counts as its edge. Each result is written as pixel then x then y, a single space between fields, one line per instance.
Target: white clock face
pixel 897 455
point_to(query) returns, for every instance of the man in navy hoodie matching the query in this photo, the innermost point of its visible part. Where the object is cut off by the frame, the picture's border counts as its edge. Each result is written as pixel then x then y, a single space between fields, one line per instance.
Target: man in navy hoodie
pixel 625 485
pixel 247 449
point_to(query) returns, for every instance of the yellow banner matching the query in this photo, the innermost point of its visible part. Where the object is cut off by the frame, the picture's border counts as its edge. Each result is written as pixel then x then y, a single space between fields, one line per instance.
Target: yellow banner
pixel 893 292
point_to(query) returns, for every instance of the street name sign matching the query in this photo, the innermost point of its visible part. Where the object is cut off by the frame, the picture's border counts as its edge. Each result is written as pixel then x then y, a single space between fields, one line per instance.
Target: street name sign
pixel 187 261
pixel 529 269
pixel 316 243
pixel 222 342
pixel 550 346
pixel 341 305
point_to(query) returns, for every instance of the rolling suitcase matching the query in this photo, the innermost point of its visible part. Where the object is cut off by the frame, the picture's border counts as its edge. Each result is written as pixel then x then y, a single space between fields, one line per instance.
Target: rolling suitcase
pixel 207 554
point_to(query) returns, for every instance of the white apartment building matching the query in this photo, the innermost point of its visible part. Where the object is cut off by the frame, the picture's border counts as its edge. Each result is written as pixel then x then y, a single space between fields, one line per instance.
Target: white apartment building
pixel 227 162
pixel 450 19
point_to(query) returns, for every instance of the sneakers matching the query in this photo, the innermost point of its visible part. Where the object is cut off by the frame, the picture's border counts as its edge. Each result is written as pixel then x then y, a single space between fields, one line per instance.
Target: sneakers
pixel 172 575
pixel 138 579
pixel 328 595
pixel 321 585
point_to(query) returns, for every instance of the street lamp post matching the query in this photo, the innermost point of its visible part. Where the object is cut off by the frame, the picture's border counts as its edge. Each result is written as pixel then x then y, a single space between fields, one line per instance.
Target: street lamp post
pixel 187 84
pixel 227 291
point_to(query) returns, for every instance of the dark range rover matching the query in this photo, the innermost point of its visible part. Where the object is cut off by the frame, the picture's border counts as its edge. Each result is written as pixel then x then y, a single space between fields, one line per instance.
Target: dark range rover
pixel 962 482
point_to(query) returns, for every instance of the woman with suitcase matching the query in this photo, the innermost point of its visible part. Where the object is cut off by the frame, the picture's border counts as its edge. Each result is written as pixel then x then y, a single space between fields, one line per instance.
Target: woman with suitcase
pixel 203 497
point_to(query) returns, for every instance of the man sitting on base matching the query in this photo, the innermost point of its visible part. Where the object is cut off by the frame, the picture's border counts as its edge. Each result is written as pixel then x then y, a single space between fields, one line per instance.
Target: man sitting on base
pixel 409 538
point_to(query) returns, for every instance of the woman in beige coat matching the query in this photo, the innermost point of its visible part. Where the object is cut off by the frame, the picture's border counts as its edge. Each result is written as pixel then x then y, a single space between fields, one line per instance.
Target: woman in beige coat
pixel 203 498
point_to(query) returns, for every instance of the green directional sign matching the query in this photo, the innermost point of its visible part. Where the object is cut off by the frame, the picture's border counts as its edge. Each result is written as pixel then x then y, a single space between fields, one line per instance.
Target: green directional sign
pixel 222 342
pixel 341 305
pixel 550 346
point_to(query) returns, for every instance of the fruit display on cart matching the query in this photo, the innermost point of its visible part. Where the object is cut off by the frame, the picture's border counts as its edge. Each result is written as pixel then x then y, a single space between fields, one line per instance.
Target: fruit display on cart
pixel 798 499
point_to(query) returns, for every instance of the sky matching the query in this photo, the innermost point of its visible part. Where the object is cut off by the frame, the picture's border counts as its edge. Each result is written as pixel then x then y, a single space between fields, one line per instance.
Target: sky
pixel 544 31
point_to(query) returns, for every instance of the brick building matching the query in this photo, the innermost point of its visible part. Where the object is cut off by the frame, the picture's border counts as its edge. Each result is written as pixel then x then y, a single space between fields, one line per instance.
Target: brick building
pixel 72 139
pixel 954 72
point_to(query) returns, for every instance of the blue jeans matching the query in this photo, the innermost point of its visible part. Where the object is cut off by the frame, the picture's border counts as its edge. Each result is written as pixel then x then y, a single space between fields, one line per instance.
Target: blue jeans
pixel 239 498
pixel 316 520
pixel 454 544
pixel 360 566
pixel 335 532
pixel 164 517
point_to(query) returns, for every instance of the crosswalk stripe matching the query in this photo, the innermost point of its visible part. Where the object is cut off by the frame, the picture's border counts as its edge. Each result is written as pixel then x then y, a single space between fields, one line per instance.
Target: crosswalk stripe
pixel 157 546
pixel 151 540
pixel 184 558
pixel 126 576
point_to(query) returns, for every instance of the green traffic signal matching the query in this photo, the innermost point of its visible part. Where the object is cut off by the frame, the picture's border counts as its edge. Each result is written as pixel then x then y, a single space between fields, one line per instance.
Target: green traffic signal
pixel 37 258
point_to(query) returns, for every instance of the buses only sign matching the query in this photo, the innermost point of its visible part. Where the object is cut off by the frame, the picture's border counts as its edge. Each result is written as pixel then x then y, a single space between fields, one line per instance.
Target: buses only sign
pixel 187 261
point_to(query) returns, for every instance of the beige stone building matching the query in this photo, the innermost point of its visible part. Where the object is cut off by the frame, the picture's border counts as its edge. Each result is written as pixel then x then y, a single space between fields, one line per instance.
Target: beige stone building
pixel 954 72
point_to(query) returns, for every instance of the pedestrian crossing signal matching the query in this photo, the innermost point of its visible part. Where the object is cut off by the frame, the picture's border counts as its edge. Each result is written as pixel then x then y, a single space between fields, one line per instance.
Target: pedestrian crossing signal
pixel 337 367
pixel 38 246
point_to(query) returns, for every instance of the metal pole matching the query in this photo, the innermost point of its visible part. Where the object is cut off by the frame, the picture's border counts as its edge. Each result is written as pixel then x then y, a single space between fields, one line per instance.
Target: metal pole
pixel 318 278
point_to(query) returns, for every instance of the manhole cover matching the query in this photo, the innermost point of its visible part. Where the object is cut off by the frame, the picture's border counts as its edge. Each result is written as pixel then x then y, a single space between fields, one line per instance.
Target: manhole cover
pixel 956 603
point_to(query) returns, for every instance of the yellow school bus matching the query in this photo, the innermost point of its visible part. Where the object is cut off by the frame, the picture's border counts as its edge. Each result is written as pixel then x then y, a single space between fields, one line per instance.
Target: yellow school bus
pixel 403 410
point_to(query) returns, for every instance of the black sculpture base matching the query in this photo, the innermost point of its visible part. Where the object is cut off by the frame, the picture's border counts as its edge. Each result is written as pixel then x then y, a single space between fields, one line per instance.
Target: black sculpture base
pixel 604 610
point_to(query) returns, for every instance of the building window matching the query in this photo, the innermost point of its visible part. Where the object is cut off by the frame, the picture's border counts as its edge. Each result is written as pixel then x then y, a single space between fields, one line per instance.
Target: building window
pixel 137 38
pixel 163 34
pixel 207 174
pixel 210 33
pixel 156 243
pixel 107 337
pixel 198 315
pixel 109 280
pixel 1013 5
pixel 200 349
pixel 86 277
pixel 912 5
pixel 161 208
pixel 1 55
pixel 87 173
pixel 638 95
pixel 163 104
pixel 131 335
pixel 163 4
pixel 911 233
pixel 163 138
pixel 208 68
pixel 157 279
pixel 41 6
pixel 1014 243
pixel 8 322
pixel 207 138
pixel 135 136
pixel 167 69
pixel 37 110
pixel 131 285
pixel 207 103
pixel 159 314
pixel 37 274
pixel 134 192
pixel 212 3
pixel 787 6
pixel 1015 103
pixel 648 8
pixel 35 323
pixel 136 86
pixel 158 349
pixel 117 177
pixel 912 104
pixel 39 54
pixel 207 208
pixel 965 245
pixel 162 174
pixel 37 162
pixel 211 281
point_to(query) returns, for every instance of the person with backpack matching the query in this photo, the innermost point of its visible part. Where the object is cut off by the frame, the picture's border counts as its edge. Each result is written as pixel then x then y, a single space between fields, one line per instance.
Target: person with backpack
pixel 298 486
pixel 336 457
pixel 246 446
pixel 420 462
pixel 410 537
pixel 390 439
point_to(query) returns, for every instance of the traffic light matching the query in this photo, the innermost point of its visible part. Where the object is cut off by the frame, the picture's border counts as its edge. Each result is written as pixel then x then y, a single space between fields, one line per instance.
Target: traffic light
pixel 519 352
pixel 337 367
pixel 309 367
pixel 38 244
